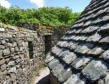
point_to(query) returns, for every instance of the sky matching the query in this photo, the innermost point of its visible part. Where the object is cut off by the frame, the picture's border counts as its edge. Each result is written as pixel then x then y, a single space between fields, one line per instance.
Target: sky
pixel 75 5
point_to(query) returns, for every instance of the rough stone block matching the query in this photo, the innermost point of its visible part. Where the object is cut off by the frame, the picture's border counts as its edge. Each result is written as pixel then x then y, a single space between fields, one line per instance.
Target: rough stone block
pixel 53 63
pixel 68 56
pixel 2 47
pixel 49 58
pixel 64 75
pixel 6 51
pixel 11 63
pixel 105 40
pixel 80 63
pixel 61 73
pixel 105 55
pixel 56 50
pixel 106 79
pixel 3 67
pixel 74 79
pixel 82 49
pixel 94 38
pixel 12 69
pixel 95 70
pixel 72 45
pixel 96 51
pixel 3 41
pixel 12 50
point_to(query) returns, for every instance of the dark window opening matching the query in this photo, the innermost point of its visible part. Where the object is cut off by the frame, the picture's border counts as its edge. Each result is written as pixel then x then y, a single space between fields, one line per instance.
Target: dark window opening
pixel 47 43
pixel 30 46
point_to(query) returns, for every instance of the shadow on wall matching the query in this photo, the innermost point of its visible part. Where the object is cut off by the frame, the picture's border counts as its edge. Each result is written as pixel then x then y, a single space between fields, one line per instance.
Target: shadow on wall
pixel 45 80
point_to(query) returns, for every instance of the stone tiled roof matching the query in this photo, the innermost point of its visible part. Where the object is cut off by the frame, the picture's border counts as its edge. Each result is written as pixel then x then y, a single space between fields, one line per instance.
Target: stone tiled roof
pixel 82 55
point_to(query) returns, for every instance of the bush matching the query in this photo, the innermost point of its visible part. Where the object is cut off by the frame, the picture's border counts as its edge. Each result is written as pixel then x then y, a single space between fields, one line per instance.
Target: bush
pixel 46 15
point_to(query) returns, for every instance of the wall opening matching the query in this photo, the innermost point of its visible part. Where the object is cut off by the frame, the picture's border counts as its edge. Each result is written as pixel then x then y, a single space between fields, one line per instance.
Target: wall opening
pixel 47 43
pixel 30 46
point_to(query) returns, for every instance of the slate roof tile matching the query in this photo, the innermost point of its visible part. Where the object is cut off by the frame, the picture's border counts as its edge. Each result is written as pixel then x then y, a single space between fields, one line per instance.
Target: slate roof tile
pixel 49 58
pixel 105 40
pixel 94 38
pixel 68 56
pixel 60 72
pixel 80 62
pixel 96 51
pixel 56 50
pixel 105 55
pixel 84 49
pixel 95 70
pixel 74 79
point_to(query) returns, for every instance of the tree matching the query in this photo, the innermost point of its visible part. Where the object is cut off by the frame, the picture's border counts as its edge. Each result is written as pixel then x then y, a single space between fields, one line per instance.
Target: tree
pixel 45 15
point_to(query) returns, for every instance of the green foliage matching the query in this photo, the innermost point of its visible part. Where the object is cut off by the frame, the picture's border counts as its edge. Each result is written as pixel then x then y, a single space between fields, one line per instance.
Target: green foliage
pixel 46 15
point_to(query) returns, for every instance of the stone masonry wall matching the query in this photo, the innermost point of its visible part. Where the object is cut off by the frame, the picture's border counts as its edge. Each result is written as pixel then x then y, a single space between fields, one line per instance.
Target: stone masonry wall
pixel 51 34
pixel 21 55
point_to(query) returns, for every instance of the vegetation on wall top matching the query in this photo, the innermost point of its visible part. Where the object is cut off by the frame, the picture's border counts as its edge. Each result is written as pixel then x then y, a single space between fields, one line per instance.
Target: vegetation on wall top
pixel 46 15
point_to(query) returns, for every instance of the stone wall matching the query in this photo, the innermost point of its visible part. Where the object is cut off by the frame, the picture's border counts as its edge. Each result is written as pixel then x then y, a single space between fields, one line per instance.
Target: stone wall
pixel 21 54
pixel 51 34
pixel 58 32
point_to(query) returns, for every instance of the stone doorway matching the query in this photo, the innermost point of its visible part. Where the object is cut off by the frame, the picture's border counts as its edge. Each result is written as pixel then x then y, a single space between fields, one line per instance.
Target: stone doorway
pixel 48 43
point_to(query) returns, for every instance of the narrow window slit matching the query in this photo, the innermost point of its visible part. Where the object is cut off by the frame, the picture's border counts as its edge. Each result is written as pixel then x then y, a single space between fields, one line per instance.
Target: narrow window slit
pixel 30 46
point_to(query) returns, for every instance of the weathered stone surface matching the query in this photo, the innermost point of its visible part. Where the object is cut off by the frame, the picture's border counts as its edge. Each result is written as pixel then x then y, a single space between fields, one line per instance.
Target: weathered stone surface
pixel 13 77
pixel 13 69
pixel 1 54
pixel 16 49
pixel 61 73
pixel 95 70
pixel 6 51
pixel 80 63
pixel 14 55
pixel 101 82
pixel 3 67
pixel 96 37
pixel 12 50
pixel 104 28
pixel 49 58
pixel 88 39
pixel 90 29
pixel 3 41
pixel 106 80
pixel 74 79
pixel 96 51
pixel 105 55
pixel 2 47
pixel 53 63
pixel 11 63
pixel 82 48
pixel 14 44
pixel 64 75
pixel 2 61
pixel 105 40
pixel 72 45
pixel 68 56
pixel 56 50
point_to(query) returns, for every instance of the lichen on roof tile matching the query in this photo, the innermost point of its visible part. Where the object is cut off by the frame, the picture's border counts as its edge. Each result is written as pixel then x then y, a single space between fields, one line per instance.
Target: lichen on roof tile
pixel 87 38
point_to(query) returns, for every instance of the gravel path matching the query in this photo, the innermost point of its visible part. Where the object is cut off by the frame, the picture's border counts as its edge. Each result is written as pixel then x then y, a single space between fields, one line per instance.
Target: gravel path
pixel 43 77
